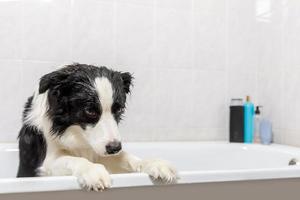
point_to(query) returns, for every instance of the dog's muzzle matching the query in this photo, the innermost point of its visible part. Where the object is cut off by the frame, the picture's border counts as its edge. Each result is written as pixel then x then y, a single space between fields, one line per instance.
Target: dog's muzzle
pixel 113 147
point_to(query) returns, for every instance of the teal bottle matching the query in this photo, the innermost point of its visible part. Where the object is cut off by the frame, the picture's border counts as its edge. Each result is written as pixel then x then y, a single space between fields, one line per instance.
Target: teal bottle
pixel 248 121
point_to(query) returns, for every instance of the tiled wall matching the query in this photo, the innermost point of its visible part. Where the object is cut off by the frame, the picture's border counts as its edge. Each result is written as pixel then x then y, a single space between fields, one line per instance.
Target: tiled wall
pixel 189 57
pixel 279 82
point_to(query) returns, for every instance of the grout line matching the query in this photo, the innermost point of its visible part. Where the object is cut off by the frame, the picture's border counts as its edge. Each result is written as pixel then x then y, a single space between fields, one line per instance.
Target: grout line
pixel 36 61
pixel 71 30
pixel 227 96
pixel 154 39
pixel 115 10
pixel 154 64
pixel 22 28
pixel 193 35
pixel 10 60
pixel 283 77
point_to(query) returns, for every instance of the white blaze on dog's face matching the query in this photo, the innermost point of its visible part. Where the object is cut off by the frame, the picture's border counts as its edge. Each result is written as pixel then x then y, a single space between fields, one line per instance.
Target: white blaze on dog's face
pixel 106 131
pixel 86 104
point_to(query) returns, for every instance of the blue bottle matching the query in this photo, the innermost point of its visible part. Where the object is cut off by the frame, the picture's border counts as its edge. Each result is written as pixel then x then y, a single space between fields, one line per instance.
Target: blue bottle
pixel 248 121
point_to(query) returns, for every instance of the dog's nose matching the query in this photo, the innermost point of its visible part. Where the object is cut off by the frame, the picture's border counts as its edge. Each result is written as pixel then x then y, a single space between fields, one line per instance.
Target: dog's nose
pixel 113 147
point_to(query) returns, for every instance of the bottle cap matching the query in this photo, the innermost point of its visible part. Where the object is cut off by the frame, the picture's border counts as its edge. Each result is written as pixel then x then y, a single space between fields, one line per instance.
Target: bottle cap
pixel 257 110
pixel 248 98
pixel 236 102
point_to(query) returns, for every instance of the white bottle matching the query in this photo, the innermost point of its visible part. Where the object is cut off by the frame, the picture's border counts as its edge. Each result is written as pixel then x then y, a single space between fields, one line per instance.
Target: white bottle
pixel 257 120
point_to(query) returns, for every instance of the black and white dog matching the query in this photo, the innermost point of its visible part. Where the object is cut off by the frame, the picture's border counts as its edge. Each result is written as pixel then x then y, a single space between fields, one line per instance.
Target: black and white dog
pixel 70 127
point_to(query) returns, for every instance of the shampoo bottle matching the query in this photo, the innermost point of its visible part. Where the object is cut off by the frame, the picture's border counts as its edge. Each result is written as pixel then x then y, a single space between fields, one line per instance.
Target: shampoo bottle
pixel 265 130
pixel 257 121
pixel 236 121
pixel 248 121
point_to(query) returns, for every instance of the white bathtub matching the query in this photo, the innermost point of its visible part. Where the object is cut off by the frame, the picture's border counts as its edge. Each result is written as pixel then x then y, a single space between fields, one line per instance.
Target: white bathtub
pixel 197 163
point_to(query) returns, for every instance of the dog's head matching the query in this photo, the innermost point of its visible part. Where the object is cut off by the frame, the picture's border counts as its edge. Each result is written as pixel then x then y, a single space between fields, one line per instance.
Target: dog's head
pixel 85 105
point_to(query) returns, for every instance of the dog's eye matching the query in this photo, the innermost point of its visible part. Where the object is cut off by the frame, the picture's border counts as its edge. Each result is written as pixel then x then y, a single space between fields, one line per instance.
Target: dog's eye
pixel 91 113
pixel 117 108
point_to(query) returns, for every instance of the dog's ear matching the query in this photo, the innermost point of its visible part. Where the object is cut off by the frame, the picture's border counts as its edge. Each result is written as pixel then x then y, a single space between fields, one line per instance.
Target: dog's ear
pixel 127 81
pixel 50 80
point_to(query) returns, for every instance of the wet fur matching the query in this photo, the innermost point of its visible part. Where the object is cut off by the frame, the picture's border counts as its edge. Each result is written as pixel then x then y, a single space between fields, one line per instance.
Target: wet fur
pixel 59 138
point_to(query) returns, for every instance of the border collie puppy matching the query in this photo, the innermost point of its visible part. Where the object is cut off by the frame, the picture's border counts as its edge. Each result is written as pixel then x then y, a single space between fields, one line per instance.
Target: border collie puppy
pixel 70 127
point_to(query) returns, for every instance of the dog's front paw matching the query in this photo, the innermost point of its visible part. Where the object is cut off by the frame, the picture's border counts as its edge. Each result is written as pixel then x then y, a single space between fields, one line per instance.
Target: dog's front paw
pixel 94 178
pixel 159 169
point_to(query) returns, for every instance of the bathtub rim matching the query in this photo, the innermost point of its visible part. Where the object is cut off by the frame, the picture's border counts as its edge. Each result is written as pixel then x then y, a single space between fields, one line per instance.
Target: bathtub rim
pixel 47 184
pixel 63 183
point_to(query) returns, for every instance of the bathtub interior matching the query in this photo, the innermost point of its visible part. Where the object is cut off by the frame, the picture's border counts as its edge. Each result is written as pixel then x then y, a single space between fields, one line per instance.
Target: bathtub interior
pixel 188 156
pixel 217 156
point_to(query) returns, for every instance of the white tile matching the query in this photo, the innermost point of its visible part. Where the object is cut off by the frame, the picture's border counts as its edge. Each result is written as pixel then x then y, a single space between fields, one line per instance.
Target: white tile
pixel 11 104
pixel 210 134
pixel 210 37
pixel 92 29
pixel 254 41
pixel 241 84
pixel 177 105
pixel 134 35
pixel 175 99
pixel 47 26
pixel 291 95
pixel 271 33
pixel 292 137
pixel 278 135
pixel 32 71
pixel 242 35
pixel 140 118
pixel 137 2
pixel 291 31
pixel 271 96
pixel 210 107
pixel 175 4
pixel 208 6
pixel 174 39
pixel 10 30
